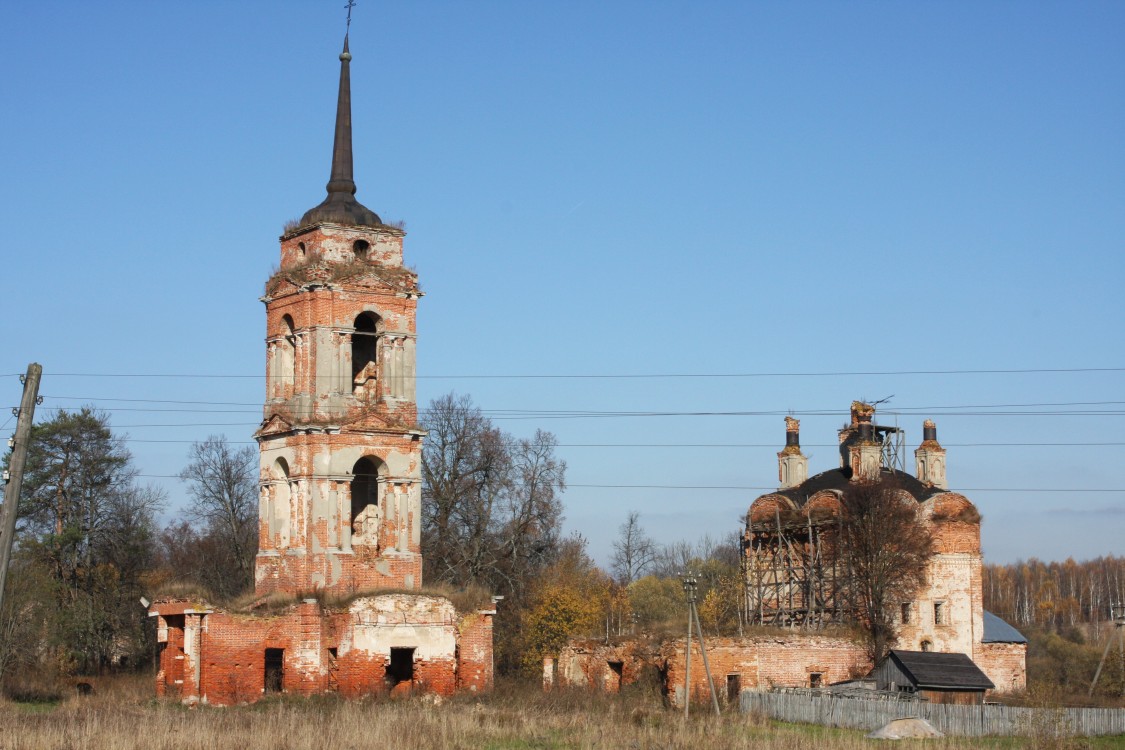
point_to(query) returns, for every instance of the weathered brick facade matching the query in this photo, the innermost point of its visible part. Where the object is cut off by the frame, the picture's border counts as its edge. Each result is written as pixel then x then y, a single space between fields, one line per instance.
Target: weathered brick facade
pixel 340 501
pixel 792 582
pixel 790 579
pixel 737 664
pixel 1004 663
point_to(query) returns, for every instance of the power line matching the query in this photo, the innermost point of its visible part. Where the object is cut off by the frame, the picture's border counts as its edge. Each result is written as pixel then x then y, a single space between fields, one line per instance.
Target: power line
pixel 637 376
pixel 756 487
pixel 771 446
pixel 775 489
pixel 543 414
pixel 895 410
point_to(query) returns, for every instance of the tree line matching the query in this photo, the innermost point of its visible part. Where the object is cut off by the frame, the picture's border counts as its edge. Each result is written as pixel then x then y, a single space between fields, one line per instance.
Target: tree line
pixel 1055 594
pixel 89 546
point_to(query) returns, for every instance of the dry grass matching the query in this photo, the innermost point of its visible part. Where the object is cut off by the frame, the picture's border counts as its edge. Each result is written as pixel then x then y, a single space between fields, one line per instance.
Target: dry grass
pixel 123 715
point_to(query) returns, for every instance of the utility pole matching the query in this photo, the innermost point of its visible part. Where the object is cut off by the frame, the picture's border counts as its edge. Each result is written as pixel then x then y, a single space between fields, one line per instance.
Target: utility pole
pixel 689 589
pixel 14 484
pixel 690 584
pixel 1117 616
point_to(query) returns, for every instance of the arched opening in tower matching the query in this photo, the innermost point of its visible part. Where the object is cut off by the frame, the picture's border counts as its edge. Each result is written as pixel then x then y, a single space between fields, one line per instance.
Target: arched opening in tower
pixel 278 516
pixel 365 341
pixel 366 513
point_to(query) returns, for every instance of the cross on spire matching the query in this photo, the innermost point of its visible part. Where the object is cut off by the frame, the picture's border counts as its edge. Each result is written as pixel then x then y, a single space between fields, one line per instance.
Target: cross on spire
pixel 340 206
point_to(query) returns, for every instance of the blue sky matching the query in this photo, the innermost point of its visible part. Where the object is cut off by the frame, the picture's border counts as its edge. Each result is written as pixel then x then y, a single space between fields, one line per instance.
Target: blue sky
pixel 773 191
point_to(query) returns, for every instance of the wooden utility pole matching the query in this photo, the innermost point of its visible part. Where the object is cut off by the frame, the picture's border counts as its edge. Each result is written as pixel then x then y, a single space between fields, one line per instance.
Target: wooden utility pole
pixel 1117 617
pixel 690 583
pixel 687 653
pixel 15 467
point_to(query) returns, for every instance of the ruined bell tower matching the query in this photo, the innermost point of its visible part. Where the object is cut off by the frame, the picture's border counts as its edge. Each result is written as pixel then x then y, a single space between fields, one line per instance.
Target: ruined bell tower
pixel 340 482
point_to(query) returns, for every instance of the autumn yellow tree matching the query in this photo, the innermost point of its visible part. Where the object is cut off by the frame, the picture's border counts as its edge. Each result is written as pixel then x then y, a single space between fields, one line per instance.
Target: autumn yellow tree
pixel 571 598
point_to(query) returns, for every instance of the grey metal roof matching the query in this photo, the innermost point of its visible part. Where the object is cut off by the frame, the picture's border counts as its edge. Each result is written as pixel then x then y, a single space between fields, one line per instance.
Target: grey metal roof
pixel 841 479
pixel 931 670
pixel 998 631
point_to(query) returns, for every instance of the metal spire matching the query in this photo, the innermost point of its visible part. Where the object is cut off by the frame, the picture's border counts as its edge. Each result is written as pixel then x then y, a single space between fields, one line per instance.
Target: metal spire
pixel 340 206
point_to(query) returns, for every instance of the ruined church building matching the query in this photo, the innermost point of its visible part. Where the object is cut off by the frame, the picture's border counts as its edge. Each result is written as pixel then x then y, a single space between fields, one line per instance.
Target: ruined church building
pixel 340 486
pixel 796 588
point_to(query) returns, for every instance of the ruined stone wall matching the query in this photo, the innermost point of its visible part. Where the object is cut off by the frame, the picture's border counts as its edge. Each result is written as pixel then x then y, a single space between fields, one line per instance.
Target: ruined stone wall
pixel 474 652
pixel 737 664
pixel 763 662
pixel 1005 664
pixel 608 667
pixel 171 662
pixel 323 649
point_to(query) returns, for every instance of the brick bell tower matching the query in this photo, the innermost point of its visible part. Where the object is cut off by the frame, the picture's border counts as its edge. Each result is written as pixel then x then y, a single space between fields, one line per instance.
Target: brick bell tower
pixel 340 483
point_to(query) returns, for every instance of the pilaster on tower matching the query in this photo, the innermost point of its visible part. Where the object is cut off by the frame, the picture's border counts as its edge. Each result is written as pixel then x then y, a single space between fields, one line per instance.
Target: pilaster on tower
pixel 340 445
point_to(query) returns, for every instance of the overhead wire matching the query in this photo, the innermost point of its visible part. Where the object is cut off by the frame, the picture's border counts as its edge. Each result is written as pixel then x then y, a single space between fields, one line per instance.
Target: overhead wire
pixel 638 376
pixel 759 487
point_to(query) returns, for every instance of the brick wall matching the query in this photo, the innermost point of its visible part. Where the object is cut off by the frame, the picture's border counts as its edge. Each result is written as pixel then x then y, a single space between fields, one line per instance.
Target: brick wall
pixel 1005 664
pixel 474 652
pixel 736 663
pixel 323 649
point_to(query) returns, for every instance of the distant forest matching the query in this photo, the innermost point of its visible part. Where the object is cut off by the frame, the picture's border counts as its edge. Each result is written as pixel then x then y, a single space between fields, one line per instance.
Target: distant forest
pixel 1055 595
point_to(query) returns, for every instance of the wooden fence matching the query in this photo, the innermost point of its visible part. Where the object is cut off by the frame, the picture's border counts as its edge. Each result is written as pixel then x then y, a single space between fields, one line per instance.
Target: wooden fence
pixel 870 713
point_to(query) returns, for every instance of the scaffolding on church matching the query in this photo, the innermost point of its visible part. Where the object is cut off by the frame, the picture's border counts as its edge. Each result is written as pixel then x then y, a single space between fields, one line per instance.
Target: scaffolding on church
pixel 792 577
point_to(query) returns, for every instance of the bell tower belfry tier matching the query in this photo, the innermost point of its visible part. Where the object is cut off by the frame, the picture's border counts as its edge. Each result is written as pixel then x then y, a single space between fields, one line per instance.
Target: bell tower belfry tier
pixel 340 484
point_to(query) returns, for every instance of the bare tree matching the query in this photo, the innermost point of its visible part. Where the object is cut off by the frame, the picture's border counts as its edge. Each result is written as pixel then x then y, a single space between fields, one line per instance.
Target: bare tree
pixel 491 513
pixel 634 552
pixel 886 548
pixel 222 482
pixel 464 468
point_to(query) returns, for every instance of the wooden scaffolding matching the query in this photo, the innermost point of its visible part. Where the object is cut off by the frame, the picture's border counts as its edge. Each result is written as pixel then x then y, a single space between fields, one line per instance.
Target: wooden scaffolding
pixel 792 578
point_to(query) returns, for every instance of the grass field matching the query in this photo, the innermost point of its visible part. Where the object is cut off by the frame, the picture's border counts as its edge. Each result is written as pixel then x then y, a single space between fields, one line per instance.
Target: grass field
pixel 122 714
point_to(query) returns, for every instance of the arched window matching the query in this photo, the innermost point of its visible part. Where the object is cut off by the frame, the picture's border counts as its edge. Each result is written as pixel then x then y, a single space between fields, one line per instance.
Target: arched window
pixel 279 513
pixel 366 512
pixel 287 349
pixel 365 349
pixel 927 646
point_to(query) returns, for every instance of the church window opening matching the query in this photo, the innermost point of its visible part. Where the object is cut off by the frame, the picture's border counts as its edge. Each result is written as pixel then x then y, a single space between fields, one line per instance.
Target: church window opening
pixel 360 248
pixel 927 646
pixel 365 347
pixel 940 615
pixel 301 247
pixel 366 513
pixel 906 613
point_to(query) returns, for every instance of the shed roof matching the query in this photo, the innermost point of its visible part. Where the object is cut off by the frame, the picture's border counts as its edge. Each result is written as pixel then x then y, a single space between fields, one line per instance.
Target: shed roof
pixel 998 631
pixel 931 670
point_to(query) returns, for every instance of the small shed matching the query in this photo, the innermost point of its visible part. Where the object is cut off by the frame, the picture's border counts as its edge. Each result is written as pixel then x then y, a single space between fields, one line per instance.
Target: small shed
pixel 938 677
